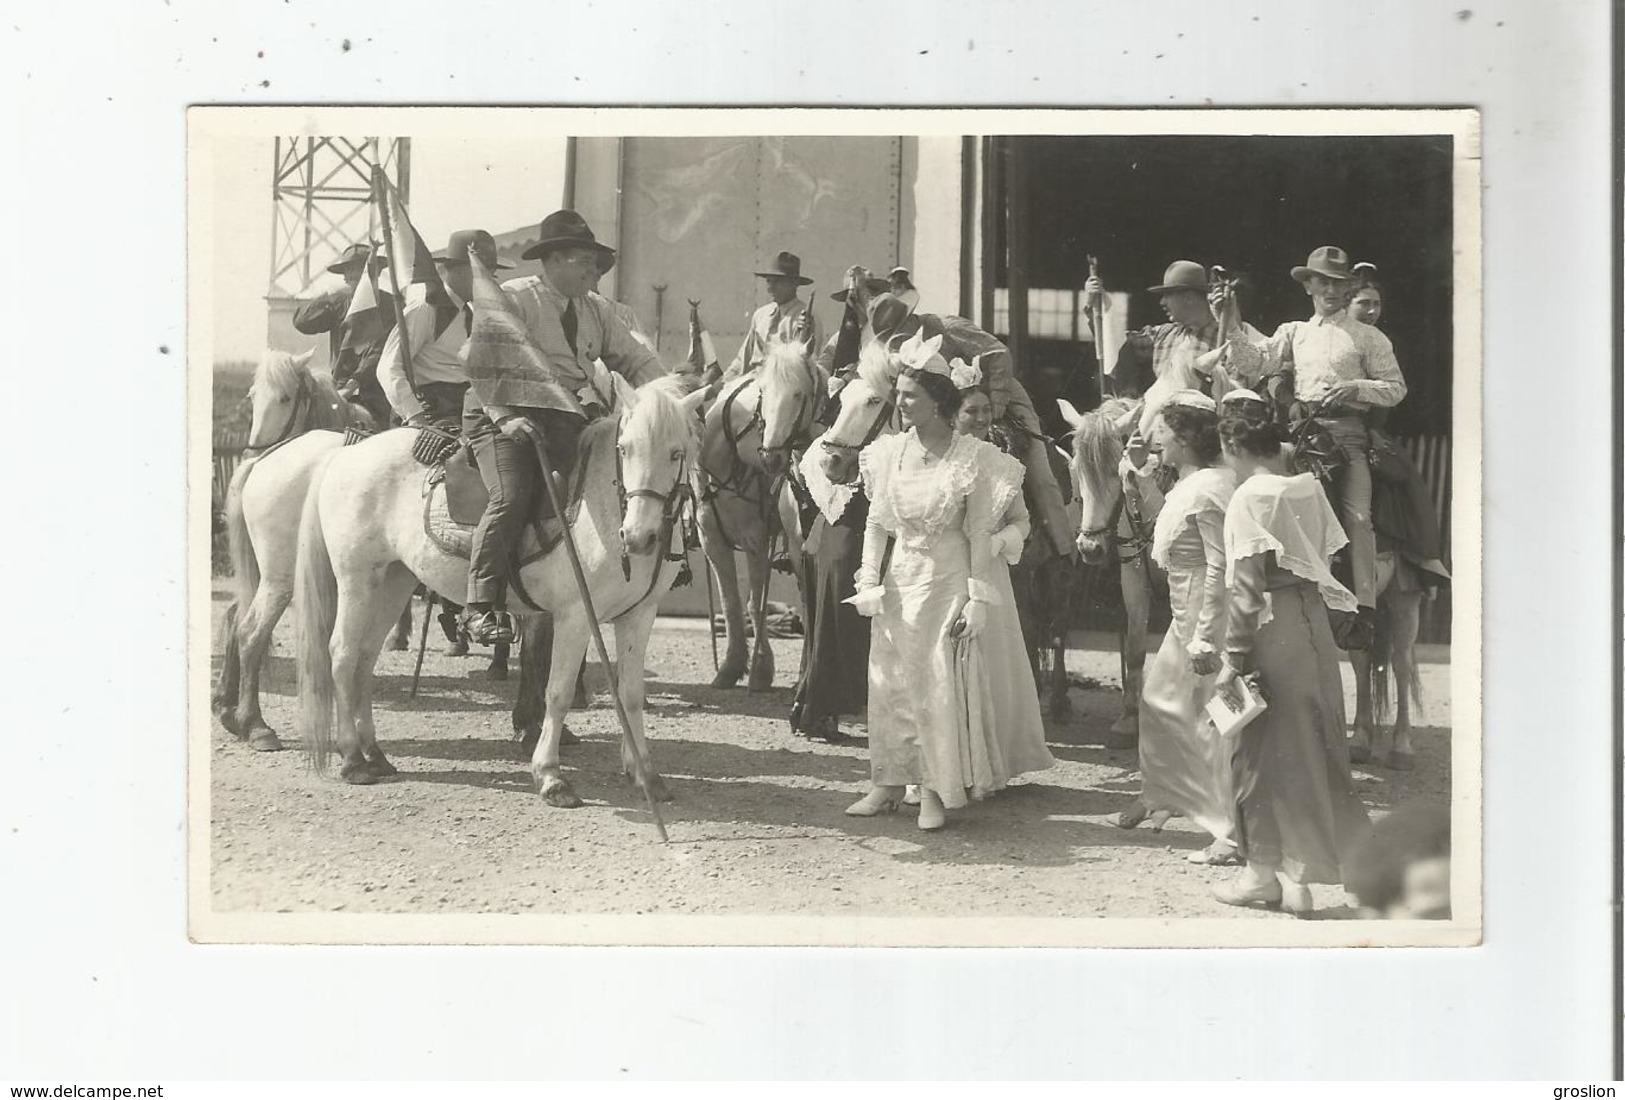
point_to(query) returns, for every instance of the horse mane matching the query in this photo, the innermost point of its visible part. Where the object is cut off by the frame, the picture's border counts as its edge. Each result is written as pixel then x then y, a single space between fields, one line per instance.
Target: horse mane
pixel 654 408
pixel 1096 447
pixel 877 368
pixel 277 373
pixel 787 364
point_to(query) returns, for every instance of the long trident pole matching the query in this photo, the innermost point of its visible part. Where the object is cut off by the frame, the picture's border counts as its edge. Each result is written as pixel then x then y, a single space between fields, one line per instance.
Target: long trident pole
pixel 638 773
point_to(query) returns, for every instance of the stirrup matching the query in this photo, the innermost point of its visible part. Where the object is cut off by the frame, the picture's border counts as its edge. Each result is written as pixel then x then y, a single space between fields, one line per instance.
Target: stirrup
pixel 491 628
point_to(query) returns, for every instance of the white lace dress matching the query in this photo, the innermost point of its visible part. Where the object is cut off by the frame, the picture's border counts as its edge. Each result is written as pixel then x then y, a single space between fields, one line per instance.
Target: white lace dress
pixel 931 713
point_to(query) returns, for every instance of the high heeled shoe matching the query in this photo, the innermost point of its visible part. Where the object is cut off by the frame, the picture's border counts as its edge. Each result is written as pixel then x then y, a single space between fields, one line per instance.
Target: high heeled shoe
pixel 932 814
pixel 1131 817
pixel 911 797
pixel 879 800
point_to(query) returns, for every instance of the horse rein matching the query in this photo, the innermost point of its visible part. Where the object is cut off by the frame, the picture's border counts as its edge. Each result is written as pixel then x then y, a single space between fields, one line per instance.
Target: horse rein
pixel 301 402
pixel 672 504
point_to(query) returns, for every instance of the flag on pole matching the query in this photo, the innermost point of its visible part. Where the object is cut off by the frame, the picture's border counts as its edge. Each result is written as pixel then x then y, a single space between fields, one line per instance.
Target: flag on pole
pixel 408 259
pixel 504 366
pixel 702 354
pixel 365 298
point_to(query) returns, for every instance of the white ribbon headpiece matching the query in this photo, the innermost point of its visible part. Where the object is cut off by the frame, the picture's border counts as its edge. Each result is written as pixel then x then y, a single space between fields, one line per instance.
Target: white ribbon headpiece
pixel 923 355
pixel 966 376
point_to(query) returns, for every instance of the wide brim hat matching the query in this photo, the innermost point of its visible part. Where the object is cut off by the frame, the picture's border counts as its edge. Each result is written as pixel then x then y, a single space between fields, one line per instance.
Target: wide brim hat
pixel 456 250
pixel 888 311
pixel 1182 275
pixel 564 229
pixel 785 265
pixel 356 255
pixel 1327 260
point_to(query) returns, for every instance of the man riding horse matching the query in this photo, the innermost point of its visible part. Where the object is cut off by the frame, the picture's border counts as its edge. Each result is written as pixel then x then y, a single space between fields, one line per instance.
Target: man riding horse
pixel 573 332
pixel 355 342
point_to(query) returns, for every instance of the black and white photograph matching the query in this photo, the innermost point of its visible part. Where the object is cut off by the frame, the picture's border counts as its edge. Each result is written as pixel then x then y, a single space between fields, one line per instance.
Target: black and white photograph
pixel 989 528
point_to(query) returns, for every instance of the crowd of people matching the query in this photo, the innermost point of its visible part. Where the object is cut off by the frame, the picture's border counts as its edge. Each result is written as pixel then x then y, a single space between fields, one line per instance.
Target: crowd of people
pixel 910 536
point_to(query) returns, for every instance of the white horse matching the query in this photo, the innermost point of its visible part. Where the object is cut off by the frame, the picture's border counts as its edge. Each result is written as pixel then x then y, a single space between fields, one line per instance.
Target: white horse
pixel 363 547
pixel 752 432
pixel 298 417
pixel 1114 526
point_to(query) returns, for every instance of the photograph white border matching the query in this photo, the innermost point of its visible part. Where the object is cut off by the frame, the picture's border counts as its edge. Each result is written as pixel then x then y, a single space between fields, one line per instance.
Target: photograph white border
pixel 499 125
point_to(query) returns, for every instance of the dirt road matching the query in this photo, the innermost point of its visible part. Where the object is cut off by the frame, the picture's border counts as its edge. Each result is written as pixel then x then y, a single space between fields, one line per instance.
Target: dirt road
pixel 756 827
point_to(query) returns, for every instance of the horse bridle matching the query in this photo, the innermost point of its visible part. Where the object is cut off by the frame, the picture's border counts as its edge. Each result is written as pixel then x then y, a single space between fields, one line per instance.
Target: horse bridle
pixel 671 513
pixel 301 401
pixel 887 411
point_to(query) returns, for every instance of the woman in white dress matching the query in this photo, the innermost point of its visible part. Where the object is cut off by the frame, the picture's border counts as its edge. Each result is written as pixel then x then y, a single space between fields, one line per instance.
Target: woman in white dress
pixel 1184 764
pixel 927 582
pixel 1018 722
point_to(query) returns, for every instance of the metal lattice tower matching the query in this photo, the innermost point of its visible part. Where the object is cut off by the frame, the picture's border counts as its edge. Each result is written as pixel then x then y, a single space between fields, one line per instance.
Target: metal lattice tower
pixel 321 189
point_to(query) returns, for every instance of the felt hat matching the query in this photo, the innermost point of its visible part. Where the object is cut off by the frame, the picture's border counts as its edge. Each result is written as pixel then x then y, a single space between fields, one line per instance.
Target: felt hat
pixel 460 242
pixel 564 229
pixel 1182 275
pixel 787 264
pixel 351 258
pixel 1327 260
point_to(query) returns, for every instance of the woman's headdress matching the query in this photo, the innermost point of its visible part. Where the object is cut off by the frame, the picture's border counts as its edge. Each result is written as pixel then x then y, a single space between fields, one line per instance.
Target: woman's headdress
pixel 1190 399
pixel 923 356
pixel 966 376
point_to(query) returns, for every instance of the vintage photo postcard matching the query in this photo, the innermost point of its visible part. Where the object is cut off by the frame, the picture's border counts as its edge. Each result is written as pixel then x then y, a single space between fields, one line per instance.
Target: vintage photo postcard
pixel 835 527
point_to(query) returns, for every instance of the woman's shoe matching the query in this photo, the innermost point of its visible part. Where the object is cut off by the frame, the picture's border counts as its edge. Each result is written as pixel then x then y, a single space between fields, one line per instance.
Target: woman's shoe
pixel 911 797
pixel 1159 818
pixel 1132 816
pixel 880 800
pixel 1220 853
pixel 932 814
pixel 1297 900
pixel 1247 893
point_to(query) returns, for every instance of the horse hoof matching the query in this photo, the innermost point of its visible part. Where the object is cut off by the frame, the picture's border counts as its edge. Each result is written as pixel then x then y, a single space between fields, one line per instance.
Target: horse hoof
pixel 264 740
pixel 228 722
pixel 1401 761
pixel 381 767
pixel 557 793
pixel 497 672
pixel 399 643
pixel 568 738
pixel 657 788
pixel 458 649
pixel 1359 754
pixel 1118 739
pixel 726 679
pixel 359 774
pixel 1060 709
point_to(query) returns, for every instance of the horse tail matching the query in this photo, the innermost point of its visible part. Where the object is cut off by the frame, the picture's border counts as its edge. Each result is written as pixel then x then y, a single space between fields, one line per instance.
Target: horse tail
pixel 316 592
pixel 245 566
pixel 1382 662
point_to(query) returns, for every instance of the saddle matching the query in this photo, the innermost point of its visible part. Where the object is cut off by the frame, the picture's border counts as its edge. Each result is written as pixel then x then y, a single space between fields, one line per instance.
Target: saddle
pixel 455 497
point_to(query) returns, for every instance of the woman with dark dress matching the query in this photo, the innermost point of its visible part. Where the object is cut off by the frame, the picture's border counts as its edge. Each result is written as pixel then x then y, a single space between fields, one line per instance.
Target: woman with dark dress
pixel 1299 816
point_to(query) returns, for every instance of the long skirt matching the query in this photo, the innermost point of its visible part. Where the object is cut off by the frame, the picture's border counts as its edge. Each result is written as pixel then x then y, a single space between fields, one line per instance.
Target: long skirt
pixel 1184 761
pixel 1017 723
pixel 834 678
pixel 1298 807
pixel 930 710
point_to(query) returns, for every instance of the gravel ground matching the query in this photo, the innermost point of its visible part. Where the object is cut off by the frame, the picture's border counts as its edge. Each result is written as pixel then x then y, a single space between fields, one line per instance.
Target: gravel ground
pixel 756 827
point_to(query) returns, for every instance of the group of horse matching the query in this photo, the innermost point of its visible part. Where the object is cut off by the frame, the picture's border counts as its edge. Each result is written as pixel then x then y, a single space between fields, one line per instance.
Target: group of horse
pixel 341 531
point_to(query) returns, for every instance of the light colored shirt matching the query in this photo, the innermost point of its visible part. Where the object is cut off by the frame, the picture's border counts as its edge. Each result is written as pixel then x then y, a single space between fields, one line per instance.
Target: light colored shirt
pixel 600 334
pixel 771 321
pixel 436 357
pixel 1336 348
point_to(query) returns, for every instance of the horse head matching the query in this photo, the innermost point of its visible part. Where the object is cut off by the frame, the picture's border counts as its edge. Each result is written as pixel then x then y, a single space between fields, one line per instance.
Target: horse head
pixel 1097 448
pixel 868 407
pixel 656 445
pixel 286 397
pixel 791 388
